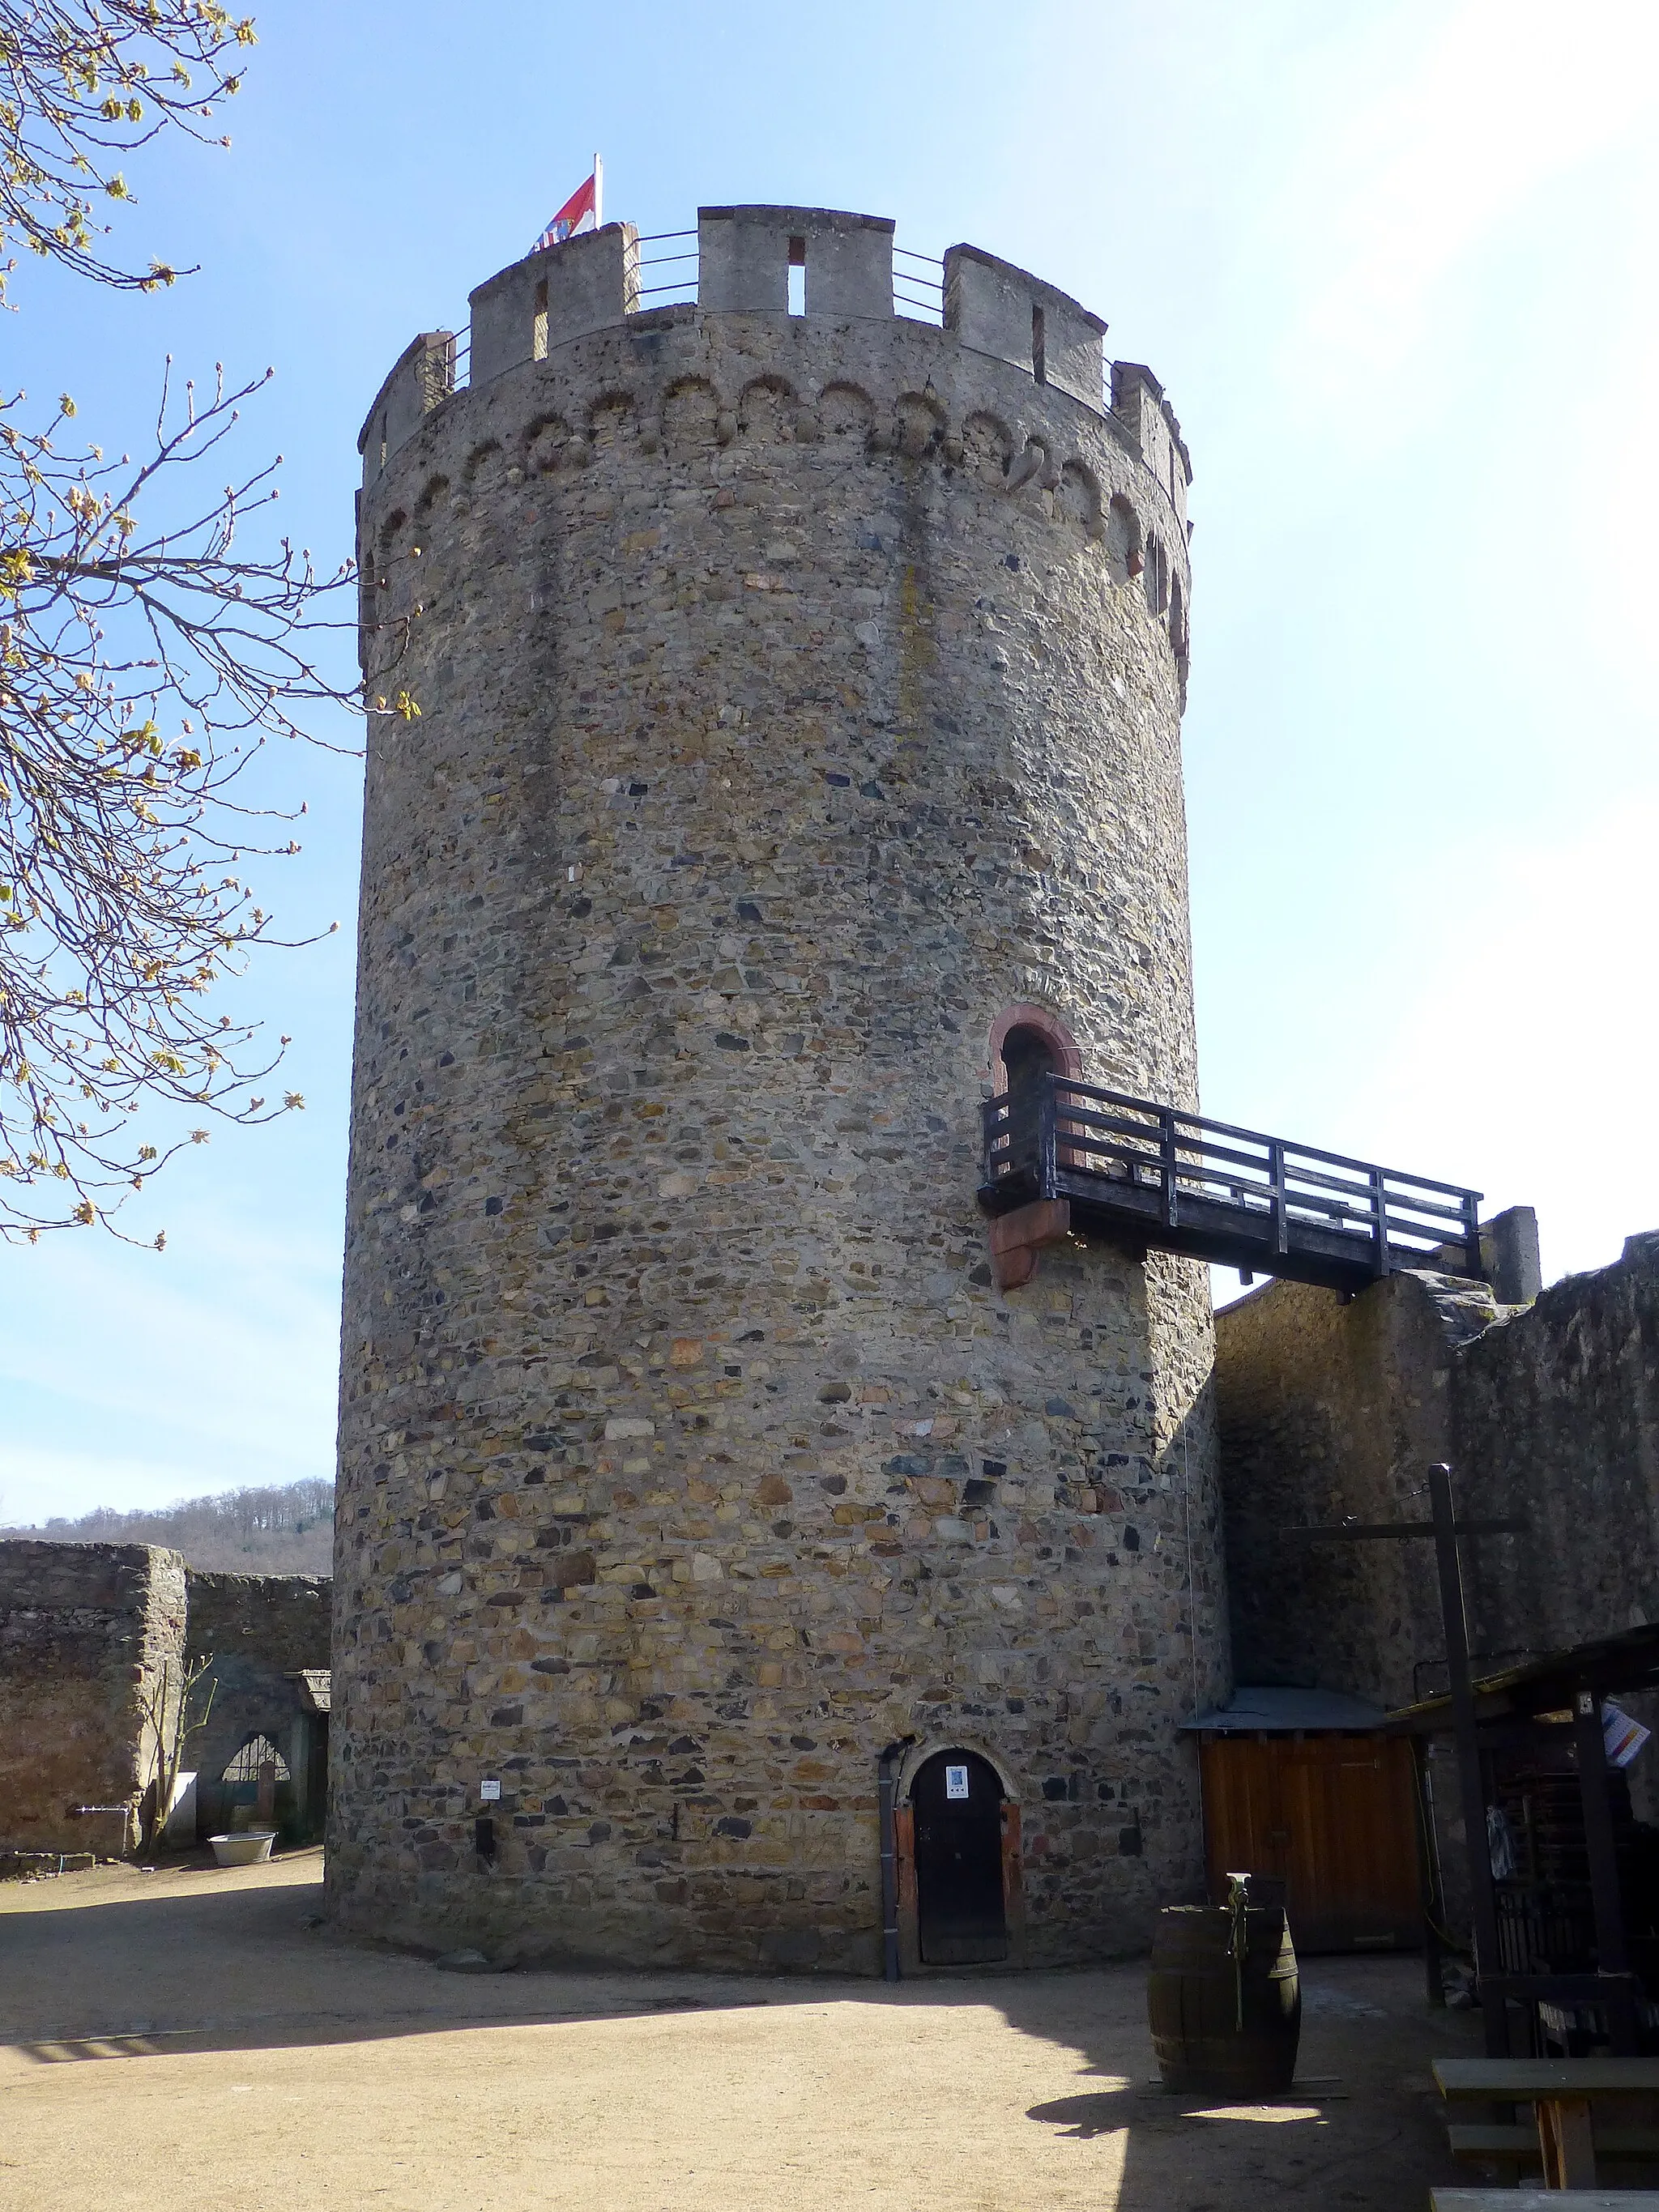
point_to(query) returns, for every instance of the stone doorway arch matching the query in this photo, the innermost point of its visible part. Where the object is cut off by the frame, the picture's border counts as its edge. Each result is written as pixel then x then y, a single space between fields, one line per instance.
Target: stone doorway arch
pixel 960 1875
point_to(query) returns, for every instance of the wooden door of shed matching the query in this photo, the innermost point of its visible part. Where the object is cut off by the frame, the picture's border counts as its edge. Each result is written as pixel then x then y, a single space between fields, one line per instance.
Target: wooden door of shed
pixel 1333 1818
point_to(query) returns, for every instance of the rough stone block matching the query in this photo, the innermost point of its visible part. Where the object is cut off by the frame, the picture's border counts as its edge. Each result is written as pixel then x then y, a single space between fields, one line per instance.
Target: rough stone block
pixel 422 377
pixel 1510 1254
pixel 85 1630
pixel 1140 406
pixel 998 309
pixel 525 311
pixel 745 255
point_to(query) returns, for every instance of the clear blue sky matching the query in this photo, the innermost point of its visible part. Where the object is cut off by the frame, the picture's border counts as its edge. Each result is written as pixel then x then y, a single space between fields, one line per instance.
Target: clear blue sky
pixel 1395 266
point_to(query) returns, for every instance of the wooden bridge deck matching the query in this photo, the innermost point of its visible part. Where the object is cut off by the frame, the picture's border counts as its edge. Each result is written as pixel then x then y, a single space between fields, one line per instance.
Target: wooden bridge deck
pixel 1157 1179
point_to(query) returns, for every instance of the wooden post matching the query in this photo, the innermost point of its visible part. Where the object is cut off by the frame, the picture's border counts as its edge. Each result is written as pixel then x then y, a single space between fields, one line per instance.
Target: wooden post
pixel 1472 1235
pixel 1047 1144
pixel 1611 1957
pixel 1433 1909
pixel 1167 1148
pixel 1379 1223
pixel 1276 1177
pixel 1445 1528
pixel 909 1924
pixel 1477 1851
pixel 1566 2143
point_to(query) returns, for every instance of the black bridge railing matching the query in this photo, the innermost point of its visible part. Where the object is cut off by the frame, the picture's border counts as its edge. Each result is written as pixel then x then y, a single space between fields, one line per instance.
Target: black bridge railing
pixel 1162 1178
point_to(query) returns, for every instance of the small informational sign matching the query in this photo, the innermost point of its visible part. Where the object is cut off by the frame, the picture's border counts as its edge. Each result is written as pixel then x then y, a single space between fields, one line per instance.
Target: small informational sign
pixel 956 1781
pixel 490 1792
pixel 1623 1735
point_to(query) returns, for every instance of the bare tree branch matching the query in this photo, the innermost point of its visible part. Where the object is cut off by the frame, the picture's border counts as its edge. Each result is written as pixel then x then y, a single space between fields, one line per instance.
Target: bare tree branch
pixel 83 85
pixel 171 1712
pixel 140 674
pixel 153 638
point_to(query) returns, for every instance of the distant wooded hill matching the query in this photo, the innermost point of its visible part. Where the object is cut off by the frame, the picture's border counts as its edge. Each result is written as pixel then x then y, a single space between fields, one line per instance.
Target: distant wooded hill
pixel 286 1531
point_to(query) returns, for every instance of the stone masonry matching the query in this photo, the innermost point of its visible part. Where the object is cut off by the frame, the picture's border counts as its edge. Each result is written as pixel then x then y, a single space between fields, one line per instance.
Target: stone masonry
pixel 800 693
pixel 85 1633
pixel 1547 1411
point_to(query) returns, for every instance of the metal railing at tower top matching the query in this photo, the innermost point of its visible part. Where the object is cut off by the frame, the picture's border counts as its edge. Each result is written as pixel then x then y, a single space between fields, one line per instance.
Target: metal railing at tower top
pixel 668 278
pixel 667 270
pixel 1162 1179
pixel 918 286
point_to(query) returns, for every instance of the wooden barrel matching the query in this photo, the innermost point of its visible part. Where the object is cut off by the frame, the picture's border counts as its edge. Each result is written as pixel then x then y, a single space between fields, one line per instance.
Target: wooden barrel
pixel 1197 1997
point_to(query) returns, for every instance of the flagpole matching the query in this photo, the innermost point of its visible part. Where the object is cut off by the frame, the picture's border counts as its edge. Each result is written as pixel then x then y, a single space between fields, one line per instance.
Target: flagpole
pixel 599 193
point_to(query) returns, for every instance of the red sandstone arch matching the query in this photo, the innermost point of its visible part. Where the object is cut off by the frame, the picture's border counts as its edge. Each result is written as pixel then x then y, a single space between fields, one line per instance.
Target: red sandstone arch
pixel 1068 1058
pixel 1017 1238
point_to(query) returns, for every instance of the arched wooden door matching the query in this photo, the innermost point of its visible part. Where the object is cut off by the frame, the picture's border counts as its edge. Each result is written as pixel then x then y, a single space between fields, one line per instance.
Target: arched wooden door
pixel 961 1919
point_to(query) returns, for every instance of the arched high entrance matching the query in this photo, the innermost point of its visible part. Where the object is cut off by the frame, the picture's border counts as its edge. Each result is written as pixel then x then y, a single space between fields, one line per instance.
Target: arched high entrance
pixel 962 1915
pixel 1028 1042
pixel 1029 1055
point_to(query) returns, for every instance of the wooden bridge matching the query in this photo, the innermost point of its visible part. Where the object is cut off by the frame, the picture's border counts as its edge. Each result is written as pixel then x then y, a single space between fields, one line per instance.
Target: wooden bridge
pixel 1156 1178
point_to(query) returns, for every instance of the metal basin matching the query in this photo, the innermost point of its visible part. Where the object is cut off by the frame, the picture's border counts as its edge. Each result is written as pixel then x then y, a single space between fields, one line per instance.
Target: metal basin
pixel 246 1849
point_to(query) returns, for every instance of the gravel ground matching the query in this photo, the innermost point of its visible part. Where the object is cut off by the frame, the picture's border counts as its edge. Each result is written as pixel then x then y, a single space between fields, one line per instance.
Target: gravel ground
pixel 201 2033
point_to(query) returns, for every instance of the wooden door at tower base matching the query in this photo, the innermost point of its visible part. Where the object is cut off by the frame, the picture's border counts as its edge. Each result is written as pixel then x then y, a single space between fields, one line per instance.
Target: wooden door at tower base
pixel 1333 1818
pixel 962 1920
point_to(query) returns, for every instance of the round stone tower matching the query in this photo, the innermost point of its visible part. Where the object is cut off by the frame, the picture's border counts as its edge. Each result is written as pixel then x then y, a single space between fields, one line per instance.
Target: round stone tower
pixel 728 1538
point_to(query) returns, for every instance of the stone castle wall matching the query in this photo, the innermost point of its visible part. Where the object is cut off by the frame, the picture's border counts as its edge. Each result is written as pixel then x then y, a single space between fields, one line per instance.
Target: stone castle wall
pixel 85 1629
pixel 1546 1414
pixel 1555 1421
pixel 1331 1409
pixel 796 693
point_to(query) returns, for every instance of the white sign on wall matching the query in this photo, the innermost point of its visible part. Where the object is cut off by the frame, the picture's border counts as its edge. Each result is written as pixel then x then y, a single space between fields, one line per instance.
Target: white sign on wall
pixel 956 1781
pixel 490 1791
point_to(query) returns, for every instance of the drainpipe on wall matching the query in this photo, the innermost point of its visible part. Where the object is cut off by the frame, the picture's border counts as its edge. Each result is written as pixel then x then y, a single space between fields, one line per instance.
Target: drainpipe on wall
pixel 886 1781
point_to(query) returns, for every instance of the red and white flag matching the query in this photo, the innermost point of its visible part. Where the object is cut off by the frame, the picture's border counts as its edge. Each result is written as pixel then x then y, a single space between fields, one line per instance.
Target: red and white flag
pixel 581 212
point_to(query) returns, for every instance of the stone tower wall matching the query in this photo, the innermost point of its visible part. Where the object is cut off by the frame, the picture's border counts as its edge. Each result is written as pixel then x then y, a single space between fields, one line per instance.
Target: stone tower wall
pixel 798 694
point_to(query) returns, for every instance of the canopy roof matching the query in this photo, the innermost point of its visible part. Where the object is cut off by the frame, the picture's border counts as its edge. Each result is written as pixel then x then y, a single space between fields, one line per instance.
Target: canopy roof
pixel 316 1686
pixel 1627 1661
pixel 1270 1711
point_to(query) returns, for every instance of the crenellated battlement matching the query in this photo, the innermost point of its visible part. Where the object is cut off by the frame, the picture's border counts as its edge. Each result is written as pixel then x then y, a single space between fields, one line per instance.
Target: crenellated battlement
pixel 745 255
pixel 549 298
pixel 995 308
pixel 528 310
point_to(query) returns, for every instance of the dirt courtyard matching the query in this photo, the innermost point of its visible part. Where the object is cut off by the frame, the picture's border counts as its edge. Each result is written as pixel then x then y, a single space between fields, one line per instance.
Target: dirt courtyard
pixel 189 2032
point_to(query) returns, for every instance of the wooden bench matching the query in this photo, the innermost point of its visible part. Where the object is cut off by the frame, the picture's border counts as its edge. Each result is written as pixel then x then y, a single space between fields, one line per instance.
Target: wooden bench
pixel 1516 2145
pixel 1560 2092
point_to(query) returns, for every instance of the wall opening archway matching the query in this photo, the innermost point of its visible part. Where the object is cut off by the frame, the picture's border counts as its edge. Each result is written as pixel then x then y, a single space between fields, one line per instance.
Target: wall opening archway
pixel 257 1752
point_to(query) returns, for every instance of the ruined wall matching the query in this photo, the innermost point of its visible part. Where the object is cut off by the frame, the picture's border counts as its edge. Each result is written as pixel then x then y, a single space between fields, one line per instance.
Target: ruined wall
pixel 83 1629
pixel 1330 1408
pixel 1555 1421
pixel 1548 1413
pixel 259 1630
pixel 795 698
